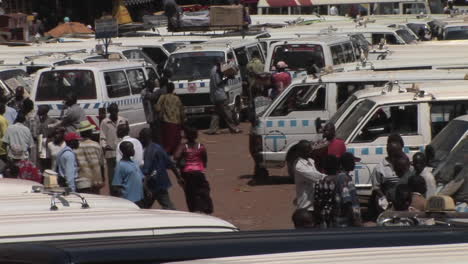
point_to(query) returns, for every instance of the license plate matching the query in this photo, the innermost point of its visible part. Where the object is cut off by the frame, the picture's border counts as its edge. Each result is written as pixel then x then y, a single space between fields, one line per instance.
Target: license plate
pixel 194 110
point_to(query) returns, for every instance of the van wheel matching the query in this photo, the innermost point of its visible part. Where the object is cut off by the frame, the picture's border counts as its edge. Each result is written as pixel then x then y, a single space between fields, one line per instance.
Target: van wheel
pixel 237 112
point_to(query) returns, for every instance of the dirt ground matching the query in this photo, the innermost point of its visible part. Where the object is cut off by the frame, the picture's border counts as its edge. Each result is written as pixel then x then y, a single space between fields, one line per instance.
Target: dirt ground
pixel 235 198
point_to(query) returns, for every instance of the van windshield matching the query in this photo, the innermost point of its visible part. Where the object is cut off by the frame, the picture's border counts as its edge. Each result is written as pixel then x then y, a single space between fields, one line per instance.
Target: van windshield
pixel 193 65
pixel 55 85
pixel 342 109
pixel 406 36
pixel 444 142
pixel 298 56
pixel 459 156
pixel 353 119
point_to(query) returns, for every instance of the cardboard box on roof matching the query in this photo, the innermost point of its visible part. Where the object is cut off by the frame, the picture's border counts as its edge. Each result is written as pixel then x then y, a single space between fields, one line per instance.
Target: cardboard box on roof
pixel 226 15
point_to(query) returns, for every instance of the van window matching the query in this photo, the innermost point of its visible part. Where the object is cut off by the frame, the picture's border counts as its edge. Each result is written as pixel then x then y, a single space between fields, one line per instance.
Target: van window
pixel 136 78
pixel 337 54
pixel 386 120
pixel 301 98
pixel 117 84
pixel 444 112
pixel 390 39
pixel 349 52
pixel 55 85
pixel 193 65
pixel 298 56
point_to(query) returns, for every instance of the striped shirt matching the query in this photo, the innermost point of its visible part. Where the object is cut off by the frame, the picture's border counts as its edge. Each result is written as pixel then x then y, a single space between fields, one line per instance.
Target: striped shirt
pixel 90 159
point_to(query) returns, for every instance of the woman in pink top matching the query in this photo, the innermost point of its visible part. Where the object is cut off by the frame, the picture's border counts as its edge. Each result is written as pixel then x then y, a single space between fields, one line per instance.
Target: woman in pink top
pixel 192 160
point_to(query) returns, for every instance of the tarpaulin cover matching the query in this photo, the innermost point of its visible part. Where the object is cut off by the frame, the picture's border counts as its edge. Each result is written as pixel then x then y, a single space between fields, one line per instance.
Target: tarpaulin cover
pixel 69 28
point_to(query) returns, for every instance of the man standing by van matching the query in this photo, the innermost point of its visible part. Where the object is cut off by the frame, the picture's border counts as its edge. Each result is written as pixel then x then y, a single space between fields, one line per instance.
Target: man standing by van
pixel 67 164
pixel 108 137
pixel 219 98
pixel 73 114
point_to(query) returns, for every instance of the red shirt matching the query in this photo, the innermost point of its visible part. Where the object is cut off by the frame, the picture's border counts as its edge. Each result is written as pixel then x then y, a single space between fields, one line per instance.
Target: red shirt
pixel 281 80
pixel 336 147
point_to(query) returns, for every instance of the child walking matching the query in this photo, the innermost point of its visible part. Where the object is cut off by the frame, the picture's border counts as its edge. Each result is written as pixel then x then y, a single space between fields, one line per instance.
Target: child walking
pixel 192 159
pixel 128 178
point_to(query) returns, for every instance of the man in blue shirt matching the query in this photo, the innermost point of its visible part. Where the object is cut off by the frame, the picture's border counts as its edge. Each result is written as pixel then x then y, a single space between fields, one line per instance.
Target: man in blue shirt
pixel 67 166
pixel 128 179
pixel 156 164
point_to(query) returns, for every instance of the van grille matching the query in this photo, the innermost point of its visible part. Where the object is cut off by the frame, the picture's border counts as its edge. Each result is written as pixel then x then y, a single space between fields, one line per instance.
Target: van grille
pixel 195 99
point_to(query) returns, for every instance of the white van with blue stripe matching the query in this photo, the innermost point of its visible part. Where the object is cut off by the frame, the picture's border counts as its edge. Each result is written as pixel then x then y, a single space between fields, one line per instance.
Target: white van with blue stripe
pixel 97 85
pixel 295 113
pixel 416 112
pixel 191 67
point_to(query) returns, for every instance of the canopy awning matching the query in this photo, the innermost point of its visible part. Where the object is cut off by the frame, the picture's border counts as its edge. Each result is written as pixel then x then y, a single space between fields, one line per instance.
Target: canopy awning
pixel 279 3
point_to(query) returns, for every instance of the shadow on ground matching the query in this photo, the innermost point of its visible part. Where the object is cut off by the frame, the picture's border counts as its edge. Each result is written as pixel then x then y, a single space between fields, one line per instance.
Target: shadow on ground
pixel 270 180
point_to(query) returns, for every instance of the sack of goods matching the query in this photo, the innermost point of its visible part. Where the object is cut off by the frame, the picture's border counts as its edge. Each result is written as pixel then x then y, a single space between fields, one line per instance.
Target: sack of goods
pixel 229 70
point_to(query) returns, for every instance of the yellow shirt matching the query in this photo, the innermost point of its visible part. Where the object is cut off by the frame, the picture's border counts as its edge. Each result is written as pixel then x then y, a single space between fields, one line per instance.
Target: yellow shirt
pixel 3 128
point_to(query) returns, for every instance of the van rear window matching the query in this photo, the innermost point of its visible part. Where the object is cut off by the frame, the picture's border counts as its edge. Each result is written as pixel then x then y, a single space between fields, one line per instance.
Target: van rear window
pixel 55 85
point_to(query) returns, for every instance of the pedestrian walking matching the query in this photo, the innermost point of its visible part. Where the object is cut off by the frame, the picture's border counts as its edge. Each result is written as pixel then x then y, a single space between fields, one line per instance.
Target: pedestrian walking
pixel 108 138
pixel 90 157
pixel 56 144
pixel 128 179
pixel 10 113
pixel 254 68
pixel 18 134
pixel 192 159
pixel 45 126
pixel 3 129
pixel 171 112
pixel 31 123
pixel 281 79
pixel 219 98
pixel 123 132
pixel 306 176
pixel 17 101
pixel 72 114
pixel 67 165
pixel 157 182
pixel 336 200
pixel 329 145
pixel 149 98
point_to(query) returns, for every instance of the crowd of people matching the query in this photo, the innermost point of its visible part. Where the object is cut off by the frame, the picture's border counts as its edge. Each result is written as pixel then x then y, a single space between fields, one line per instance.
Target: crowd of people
pixel 85 158
pixel 325 191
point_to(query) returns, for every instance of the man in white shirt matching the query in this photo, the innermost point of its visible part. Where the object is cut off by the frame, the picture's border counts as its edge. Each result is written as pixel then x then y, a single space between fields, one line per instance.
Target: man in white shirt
pixel 123 131
pixel 305 177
